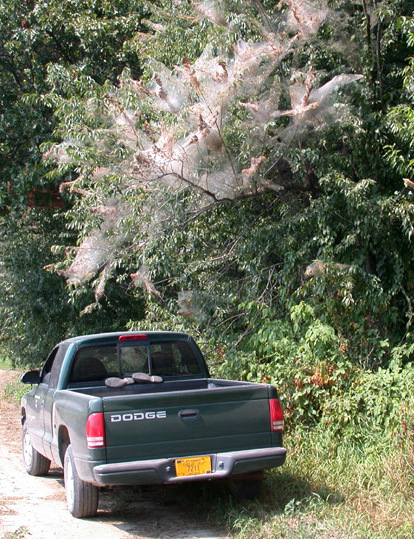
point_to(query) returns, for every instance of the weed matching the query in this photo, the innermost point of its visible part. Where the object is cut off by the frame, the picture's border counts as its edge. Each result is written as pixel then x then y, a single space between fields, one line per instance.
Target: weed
pixel 329 488
pixel 14 390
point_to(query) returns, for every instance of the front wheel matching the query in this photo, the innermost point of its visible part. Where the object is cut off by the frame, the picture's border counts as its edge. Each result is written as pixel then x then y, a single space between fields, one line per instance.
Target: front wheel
pixel 82 498
pixel 34 462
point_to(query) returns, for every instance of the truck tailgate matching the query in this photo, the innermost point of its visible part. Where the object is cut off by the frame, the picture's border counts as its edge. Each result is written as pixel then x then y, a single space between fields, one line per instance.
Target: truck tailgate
pixel 182 423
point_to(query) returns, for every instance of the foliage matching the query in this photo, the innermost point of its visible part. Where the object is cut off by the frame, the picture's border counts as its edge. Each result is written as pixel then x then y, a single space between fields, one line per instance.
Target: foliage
pixel 350 475
pixel 34 307
pixel 401 118
pixel 28 317
pixel 236 187
pixel 161 169
pixel 94 38
pixel 14 391
pixel 90 36
pixel 190 138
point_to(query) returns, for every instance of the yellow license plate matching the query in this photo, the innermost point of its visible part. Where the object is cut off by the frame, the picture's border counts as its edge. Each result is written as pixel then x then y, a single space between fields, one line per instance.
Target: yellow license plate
pixel 192 466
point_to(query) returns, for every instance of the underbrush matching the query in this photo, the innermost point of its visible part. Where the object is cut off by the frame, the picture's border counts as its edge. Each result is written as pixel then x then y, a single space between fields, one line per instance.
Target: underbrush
pixel 5 363
pixel 349 471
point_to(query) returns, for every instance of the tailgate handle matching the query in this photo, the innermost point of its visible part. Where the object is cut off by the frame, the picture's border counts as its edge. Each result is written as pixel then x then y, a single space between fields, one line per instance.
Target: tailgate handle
pixel 189 414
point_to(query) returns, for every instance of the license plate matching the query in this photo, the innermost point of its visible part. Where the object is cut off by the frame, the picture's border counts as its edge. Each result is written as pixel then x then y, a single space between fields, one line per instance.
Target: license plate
pixel 192 466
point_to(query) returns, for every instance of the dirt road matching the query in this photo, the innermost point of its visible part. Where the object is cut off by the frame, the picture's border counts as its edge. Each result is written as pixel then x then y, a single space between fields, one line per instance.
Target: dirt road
pixel 35 507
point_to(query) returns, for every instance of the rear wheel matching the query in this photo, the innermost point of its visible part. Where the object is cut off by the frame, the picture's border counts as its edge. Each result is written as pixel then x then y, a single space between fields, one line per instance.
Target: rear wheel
pixel 34 462
pixel 82 498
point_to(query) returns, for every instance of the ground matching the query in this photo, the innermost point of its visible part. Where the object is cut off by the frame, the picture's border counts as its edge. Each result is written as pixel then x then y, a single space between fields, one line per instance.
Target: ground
pixel 35 507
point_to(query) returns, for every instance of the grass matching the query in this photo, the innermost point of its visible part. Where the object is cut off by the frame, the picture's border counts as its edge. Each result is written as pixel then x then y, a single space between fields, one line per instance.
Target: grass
pixel 15 390
pixel 20 533
pixel 5 364
pixel 331 489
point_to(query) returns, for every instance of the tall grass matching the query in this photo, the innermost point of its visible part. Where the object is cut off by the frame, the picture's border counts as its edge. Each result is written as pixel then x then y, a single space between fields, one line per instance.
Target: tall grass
pixel 332 488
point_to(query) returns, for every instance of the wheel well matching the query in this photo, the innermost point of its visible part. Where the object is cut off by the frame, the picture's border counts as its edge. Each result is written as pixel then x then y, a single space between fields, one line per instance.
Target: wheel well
pixel 64 441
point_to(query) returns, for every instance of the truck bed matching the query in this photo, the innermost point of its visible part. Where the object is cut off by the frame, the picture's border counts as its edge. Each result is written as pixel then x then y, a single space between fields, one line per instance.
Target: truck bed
pixel 181 417
pixel 164 387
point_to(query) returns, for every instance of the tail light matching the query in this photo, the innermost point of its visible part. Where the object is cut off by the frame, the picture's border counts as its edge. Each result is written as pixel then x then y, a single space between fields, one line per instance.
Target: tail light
pixel 95 431
pixel 276 415
pixel 134 337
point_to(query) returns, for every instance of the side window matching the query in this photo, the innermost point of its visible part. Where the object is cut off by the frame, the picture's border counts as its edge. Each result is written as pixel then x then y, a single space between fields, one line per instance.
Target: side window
pixel 187 358
pixel 47 367
pixel 57 365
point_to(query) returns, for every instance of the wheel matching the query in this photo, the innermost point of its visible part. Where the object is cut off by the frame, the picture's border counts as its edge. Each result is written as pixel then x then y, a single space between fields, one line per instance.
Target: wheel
pixel 248 489
pixel 82 498
pixel 34 462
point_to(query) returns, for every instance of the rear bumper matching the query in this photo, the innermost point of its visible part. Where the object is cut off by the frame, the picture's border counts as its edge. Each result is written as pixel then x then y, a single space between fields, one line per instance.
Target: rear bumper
pixel 158 471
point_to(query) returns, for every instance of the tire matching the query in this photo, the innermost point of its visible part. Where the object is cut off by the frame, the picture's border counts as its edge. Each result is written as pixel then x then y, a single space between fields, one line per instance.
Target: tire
pixel 82 498
pixel 34 462
pixel 247 489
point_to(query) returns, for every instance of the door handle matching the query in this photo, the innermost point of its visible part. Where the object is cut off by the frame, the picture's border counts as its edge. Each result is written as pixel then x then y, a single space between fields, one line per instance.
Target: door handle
pixel 189 414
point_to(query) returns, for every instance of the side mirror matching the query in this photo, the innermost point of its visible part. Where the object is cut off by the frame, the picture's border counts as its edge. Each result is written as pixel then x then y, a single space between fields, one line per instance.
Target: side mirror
pixel 30 377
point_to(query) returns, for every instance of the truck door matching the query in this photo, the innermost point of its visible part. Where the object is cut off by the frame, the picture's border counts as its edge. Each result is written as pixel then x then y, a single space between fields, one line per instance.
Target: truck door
pixel 47 388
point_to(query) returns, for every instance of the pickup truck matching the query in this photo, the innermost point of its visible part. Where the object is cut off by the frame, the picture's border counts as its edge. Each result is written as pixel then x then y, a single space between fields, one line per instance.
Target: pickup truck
pixel 135 408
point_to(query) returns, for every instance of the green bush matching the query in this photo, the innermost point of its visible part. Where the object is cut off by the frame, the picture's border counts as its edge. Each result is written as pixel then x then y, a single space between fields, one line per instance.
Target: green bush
pixel 316 378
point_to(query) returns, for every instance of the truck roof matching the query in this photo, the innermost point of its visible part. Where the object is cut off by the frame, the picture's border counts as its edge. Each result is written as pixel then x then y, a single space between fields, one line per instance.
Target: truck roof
pixel 114 337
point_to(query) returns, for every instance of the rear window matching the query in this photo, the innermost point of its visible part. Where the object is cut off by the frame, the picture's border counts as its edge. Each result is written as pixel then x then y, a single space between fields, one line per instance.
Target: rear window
pixel 174 358
pixel 96 363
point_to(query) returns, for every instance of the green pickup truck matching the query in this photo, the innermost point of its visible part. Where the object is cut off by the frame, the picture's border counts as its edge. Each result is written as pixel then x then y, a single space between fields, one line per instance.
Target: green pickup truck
pixel 137 408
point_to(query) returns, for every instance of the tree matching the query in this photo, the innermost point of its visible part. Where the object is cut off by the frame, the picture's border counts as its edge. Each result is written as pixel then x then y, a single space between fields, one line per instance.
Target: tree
pixel 401 117
pixel 242 174
pixel 221 128
pixel 93 37
pixel 90 36
pixel 35 312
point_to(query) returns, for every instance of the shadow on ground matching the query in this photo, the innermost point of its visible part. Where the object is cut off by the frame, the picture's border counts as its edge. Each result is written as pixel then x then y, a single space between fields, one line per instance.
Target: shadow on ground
pixel 204 510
